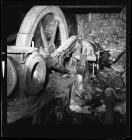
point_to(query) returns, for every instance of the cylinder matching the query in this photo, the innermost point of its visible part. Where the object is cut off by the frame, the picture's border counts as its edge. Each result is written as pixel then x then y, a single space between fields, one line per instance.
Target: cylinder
pixel 34 74
pixel 11 76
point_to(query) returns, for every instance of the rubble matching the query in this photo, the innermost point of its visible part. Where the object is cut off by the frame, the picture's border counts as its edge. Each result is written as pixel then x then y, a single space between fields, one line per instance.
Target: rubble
pixel 89 92
pixel 100 94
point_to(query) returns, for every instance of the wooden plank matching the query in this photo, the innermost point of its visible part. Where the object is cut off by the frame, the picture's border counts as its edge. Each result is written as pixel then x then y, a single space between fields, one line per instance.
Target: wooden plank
pixel 64 46
pixel 91 58
pixel 15 49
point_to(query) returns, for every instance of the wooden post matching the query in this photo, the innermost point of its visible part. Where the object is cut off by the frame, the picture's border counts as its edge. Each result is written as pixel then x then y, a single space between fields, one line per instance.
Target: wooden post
pixel 109 102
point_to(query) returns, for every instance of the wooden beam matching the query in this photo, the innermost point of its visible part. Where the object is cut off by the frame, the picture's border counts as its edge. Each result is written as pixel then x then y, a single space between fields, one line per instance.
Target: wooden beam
pixel 14 49
pixel 64 46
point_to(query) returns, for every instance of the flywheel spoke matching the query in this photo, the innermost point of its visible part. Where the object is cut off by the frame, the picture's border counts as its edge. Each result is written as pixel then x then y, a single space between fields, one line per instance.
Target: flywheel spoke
pixel 54 31
pixel 44 40
pixel 53 37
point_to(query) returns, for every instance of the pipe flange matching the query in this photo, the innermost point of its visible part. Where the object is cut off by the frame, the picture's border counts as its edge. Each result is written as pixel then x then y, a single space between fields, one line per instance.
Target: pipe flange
pixel 35 73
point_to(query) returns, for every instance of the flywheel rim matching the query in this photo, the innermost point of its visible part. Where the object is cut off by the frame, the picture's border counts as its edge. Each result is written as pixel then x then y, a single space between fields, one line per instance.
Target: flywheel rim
pixel 31 20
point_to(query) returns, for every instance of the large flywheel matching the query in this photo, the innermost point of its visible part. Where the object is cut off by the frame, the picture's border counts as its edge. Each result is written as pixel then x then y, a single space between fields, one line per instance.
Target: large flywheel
pixel 44 27
pixel 42 44
pixel 44 37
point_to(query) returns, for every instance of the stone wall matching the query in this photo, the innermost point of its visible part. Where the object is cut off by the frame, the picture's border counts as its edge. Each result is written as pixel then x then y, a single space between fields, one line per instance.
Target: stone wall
pixel 109 30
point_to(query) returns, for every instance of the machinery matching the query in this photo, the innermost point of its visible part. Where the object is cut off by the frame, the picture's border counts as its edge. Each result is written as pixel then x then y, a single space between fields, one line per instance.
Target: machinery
pixel 42 46
pixel 42 43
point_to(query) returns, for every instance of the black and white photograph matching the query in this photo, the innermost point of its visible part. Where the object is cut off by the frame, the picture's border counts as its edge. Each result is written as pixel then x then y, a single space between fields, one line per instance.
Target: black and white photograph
pixel 65 69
